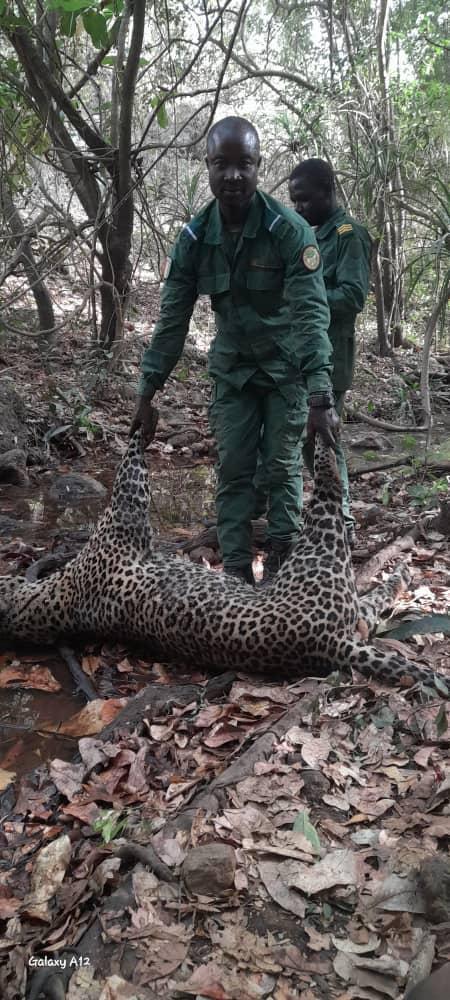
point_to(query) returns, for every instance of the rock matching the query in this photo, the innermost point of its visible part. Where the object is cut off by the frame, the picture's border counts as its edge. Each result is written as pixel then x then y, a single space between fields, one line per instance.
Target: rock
pixel 8 525
pixel 200 447
pixel 315 785
pixel 435 987
pixel 203 553
pixel 74 485
pixel 185 438
pixel 370 441
pixel 209 870
pixel 434 881
pixel 13 467
pixel 13 431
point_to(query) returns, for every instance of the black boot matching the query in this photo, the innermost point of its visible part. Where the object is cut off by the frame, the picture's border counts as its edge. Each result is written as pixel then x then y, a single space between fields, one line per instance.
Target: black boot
pixel 242 573
pixel 277 555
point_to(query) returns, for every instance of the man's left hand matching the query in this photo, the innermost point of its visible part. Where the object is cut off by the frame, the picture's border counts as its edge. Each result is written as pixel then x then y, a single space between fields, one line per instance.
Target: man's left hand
pixel 324 421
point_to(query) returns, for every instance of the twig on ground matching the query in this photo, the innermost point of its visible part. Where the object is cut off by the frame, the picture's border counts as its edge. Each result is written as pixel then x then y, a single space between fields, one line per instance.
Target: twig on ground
pixel 82 682
pixel 146 856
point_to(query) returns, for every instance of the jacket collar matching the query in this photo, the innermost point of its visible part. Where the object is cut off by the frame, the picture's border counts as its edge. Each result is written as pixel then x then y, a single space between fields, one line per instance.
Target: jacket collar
pixel 215 227
pixel 331 223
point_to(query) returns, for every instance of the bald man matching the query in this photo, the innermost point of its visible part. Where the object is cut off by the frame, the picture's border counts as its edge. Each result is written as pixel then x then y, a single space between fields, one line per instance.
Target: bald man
pixel 271 357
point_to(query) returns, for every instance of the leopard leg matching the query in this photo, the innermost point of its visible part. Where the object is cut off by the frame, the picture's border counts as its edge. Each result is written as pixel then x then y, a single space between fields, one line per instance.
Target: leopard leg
pixel 372 662
pixel 131 499
pixel 382 598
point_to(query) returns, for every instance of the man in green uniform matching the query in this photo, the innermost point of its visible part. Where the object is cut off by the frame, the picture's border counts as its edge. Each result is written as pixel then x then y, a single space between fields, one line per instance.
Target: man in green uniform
pixel 345 248
pixel 260 264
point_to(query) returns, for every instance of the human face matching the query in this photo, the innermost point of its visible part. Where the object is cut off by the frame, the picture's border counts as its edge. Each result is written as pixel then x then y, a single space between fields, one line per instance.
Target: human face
pixel 310 201
pixel 233 162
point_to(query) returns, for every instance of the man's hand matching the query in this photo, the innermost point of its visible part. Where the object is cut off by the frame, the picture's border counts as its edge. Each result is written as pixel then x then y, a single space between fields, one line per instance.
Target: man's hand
pixel 145 416
pixel 324 421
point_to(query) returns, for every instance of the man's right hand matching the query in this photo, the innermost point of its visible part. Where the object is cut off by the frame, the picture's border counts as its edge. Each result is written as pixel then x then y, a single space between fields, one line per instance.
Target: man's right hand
pixel 145 416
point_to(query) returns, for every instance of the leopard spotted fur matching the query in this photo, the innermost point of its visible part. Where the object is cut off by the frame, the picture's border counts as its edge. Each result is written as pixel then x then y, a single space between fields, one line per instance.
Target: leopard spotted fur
pixel 120 585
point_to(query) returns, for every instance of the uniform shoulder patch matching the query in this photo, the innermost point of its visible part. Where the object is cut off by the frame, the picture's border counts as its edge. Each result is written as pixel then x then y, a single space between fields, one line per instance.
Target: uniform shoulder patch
pixel 311 258
pixel 345 227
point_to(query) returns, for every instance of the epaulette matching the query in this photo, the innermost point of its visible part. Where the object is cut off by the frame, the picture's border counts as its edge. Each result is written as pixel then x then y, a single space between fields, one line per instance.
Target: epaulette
pixel 345 227
pixel 272 219
pixel 190 229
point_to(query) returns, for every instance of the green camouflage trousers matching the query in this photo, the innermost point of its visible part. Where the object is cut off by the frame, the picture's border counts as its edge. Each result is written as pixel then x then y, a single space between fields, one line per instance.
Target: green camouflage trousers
pixel 264 419
pixel 262 487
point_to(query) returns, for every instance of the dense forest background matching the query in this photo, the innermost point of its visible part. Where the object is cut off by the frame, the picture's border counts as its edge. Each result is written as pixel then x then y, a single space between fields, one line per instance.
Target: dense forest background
pixel 104 109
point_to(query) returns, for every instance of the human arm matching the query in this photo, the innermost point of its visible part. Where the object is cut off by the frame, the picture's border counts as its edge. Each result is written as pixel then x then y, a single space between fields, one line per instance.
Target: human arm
pixel 305 290
pixel 178 297
pixel 352 274
pixel 177 302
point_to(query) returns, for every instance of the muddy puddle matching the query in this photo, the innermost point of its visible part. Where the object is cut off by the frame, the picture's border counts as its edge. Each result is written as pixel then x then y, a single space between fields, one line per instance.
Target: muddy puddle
pixel 182 499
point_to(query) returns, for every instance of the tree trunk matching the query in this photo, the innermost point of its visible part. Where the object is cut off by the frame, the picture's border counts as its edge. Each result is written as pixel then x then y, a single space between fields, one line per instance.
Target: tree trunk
pixel 441 303
pixel 37 285
pixel 116 242
pixel 383 341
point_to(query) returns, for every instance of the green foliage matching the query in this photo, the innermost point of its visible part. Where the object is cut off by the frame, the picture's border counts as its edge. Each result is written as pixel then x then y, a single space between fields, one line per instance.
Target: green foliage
pixel 441 721
pixel 428 494
pixel 73 413
pixel 303 825
pixel 110 824
pixel 95 18
pixel 409 442
pixel 161 115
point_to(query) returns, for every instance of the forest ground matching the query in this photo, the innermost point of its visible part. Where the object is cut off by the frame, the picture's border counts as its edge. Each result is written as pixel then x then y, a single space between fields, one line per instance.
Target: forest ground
pixel 225 837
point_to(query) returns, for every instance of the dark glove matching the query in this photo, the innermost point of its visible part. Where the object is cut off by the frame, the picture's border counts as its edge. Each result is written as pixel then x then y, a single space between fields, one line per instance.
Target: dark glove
pixel 322 419
pixel 145 416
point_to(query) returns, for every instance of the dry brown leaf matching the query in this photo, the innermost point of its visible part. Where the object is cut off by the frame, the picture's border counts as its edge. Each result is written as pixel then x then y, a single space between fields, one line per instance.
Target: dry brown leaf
pixel 315 750
pixel 217 983
pixel 245 822
pixel 222 734
pixel 82 985
pixel 162 733
pixel 317 941
pixel 337 868
pixel 87 813
pixel 115 988
pixel 208 715
pixel 440 827
pixel 389 971
pixel 9 905
pixel 249 951
pixel 275 877
pixel 90 664
pixel 5 778
pixel 124 666
pixel 91 719
pixel 22 675
pixel 269 788
pixel 370 800
pixel 276 693
pixel 240 880
pixel 48 872
pixel 337 802
pixel 67 777
pixel 353 948
pixel 394 893
pixel 422 757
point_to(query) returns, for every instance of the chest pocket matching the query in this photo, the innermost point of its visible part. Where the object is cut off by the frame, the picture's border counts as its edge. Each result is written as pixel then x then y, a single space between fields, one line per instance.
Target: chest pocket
pixel 265 288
